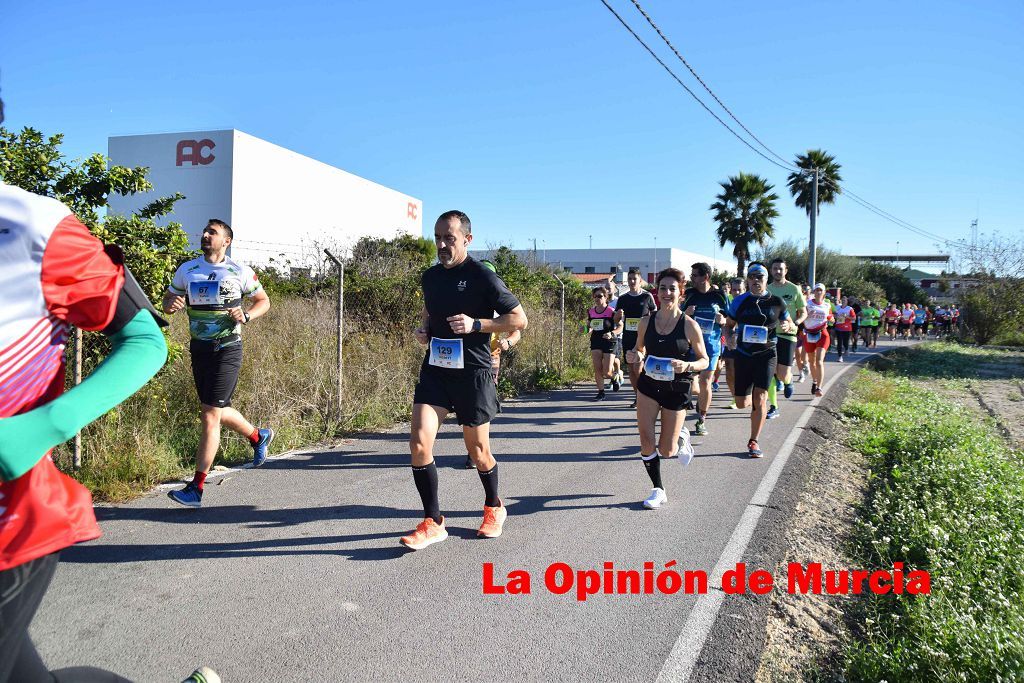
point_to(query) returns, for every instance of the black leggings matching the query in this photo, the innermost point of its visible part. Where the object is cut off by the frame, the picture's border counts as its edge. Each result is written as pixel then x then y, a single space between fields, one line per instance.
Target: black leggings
pixel 842 341
pixel 21 590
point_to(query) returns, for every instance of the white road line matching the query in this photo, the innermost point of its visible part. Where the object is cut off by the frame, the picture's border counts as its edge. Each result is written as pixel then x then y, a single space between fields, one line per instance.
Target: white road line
pixel 681 660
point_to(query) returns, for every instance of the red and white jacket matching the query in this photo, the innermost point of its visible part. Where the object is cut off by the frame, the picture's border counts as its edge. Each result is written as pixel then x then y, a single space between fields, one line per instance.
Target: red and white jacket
pixel 53 273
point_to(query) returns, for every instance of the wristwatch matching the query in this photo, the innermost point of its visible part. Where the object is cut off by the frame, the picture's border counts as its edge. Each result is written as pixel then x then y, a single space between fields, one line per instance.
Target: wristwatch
pixel 476 326
pixel 246 316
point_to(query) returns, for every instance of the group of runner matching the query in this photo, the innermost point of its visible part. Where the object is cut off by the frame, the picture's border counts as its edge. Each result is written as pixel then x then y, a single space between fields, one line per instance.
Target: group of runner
pixel 913 321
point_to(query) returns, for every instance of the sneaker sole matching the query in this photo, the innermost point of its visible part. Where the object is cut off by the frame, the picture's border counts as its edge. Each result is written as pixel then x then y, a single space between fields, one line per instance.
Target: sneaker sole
pixel 184 504
pixel 428 542
pixel 269 441
pixel 652 506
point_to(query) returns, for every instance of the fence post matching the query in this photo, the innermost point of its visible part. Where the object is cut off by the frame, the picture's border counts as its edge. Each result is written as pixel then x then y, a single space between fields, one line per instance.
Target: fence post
pixel 561 328
pixel 340 320
pixel 77 457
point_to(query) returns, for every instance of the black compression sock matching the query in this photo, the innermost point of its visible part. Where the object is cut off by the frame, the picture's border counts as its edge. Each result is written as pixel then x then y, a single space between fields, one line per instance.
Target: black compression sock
pixel 490 481
pixel 426 484
pixel 653 464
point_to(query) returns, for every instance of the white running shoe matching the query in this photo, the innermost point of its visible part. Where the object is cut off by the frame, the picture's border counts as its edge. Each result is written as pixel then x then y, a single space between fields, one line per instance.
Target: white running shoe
pixel 656 499
pixel 685 448
pixel 800 377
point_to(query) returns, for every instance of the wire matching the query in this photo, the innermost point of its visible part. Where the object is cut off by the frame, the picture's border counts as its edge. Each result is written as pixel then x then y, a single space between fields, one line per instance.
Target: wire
pixel 694 95
pixel 705 85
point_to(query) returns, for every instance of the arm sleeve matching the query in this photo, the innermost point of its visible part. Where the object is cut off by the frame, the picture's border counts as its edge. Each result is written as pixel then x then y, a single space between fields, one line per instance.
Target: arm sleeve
pixel 139 351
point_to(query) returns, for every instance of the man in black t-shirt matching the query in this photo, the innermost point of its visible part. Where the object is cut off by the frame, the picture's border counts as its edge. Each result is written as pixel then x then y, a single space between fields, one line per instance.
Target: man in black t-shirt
pixel 460 298
pixel 630 309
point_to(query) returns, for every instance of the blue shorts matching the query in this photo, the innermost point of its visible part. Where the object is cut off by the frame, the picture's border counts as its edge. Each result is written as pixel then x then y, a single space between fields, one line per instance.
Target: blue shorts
pixel 713 351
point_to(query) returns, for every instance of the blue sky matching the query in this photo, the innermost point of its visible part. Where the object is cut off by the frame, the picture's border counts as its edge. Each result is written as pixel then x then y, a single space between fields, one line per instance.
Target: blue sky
pixel 547 120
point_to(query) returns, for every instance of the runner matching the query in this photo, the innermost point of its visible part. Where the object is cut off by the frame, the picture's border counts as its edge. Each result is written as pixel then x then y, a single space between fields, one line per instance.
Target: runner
pixel 707 307
pixel 892 321
pixel 906 321
pixel 954 319
pixel 632 306
pixel 816 337
pixel 602 325
pixel 663 390
pixel 753 319
pixel 844 316
pixel 801 356
pixel 737 286
pixel 855 325
pixel 786 344
pixel 211 288
pixel 460 299
pixel 869 317
pixel 53 274
pixel 941 322
pixel 920 322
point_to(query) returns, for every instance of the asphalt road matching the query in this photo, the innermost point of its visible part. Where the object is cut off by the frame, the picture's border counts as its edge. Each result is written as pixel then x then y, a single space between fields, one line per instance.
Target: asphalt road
pixel 294 571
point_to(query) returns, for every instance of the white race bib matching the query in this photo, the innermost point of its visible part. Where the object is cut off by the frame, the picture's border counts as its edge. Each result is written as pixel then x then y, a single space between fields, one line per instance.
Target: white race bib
pixel 597 325
pixel 813 337
pixel 659 368
pixel 446 353
pixel 204 293
pixel 707 325
pixel 632 324
pixel 755 334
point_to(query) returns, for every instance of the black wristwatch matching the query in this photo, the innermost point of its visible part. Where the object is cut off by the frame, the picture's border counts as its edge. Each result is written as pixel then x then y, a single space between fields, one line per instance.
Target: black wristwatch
pixel 476 326
pixel 246 316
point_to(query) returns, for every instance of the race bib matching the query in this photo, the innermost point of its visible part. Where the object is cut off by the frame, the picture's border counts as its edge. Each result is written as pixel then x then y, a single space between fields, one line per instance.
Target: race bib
pixel 840 319
pixel 813 337
pixel 755 334
pixel 707 325
pixel 632 324
pixel 597 325
pixel 204 293
pixel 659 368
pixel 446 353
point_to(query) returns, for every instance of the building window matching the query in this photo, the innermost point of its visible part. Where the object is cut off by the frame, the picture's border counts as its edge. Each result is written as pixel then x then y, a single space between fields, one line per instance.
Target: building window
pixel 588 269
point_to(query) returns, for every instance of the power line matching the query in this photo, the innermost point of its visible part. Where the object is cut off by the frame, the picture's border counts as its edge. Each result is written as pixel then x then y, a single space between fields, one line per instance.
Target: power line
pixel 705 85
pixel 694 95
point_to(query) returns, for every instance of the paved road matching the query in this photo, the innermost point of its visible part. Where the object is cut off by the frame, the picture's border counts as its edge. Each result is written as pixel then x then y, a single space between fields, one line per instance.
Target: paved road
pixel 294 571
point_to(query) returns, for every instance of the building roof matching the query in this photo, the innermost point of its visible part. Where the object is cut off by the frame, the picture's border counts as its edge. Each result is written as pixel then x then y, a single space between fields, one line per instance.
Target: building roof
pixel 591 278
pixel 914 274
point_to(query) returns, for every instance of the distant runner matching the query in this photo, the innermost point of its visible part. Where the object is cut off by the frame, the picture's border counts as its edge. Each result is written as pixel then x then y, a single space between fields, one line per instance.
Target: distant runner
pixel 816 337
pixel 707 307
pixel 844 316
pixel 602 325
pixel 786 344
pixel 632 307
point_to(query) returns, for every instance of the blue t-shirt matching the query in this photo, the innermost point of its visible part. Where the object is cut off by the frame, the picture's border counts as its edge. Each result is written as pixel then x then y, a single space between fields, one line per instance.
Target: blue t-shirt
pixel 920 315
pixel 707 307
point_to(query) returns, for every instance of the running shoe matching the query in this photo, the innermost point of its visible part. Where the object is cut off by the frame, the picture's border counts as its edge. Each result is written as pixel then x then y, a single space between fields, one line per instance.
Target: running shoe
pixel 732 405
pixel 773 413
pixel 700 428
pixel 633 404
pixel 469 464
pixel 840 360
pixel 685 448
pixel 428 532
pixel 494 518
pixel 778 385
pixel 190 496
pixel 203 674
pixel 261 448
pixel 714 386
pixel 800 377
pixel 615 382
pixel 600 396
pixel 788 391
pixel 753 450
pixel 656 499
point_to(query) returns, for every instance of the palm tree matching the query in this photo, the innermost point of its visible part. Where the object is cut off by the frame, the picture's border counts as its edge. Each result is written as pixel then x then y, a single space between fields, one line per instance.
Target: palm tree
pixel 744 213
pixel 801 184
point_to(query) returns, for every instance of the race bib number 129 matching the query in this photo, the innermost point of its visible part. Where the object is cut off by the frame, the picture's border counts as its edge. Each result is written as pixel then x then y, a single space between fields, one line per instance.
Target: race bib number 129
pixel 446 353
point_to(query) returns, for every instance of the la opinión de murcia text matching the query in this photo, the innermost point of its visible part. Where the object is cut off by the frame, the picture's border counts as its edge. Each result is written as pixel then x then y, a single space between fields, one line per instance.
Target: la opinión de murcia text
pixel 562 579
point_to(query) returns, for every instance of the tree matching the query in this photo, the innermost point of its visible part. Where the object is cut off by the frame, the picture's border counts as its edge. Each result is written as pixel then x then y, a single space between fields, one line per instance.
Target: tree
pixel 35 163
pixel 744 213
pixel 801 185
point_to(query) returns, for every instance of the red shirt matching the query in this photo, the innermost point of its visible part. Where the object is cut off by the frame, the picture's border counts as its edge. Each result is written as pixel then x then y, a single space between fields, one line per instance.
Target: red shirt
pixel 53 273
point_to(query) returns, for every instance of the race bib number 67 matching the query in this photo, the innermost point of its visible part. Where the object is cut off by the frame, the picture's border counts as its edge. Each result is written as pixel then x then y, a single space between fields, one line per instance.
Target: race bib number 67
pixel 446 353
pixel 204 293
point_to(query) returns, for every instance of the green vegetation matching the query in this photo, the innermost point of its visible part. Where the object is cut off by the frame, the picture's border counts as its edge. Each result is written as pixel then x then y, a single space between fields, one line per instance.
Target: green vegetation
pixel 744 211
pixel 947 496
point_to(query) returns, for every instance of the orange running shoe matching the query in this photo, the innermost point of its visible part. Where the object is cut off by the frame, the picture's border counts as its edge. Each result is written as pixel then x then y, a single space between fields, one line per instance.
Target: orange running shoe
pixel 494 518
pixel 428 532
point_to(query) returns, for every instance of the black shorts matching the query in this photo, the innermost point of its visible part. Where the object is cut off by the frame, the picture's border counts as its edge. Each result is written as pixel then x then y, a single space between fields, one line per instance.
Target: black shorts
pixel 628 342
pixel 669 395
pixel 752 372
pixel 215 371
pixel 785 351
pixel 599 343
pixel 469 393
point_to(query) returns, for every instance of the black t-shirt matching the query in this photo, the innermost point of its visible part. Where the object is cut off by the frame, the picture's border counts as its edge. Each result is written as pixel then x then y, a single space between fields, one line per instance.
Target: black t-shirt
pixel 635 306
pixel 766 310
pixel 473 290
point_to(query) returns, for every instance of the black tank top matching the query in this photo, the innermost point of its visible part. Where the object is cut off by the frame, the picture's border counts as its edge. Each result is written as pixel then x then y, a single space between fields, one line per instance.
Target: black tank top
pixel 671 345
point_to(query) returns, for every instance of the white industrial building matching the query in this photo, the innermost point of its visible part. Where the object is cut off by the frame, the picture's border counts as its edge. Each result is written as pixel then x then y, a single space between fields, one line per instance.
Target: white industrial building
pixel 283 207
pixel 617 261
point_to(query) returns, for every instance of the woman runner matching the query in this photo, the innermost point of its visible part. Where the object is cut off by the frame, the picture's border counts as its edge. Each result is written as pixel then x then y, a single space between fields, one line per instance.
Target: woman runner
pixel 601 321
pixel 816 341
pixel 663 390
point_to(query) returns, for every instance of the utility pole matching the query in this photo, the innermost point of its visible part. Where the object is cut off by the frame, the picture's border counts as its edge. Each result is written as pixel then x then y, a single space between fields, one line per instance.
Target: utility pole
pixel 812 245
pixel 591 241
pixel 655 257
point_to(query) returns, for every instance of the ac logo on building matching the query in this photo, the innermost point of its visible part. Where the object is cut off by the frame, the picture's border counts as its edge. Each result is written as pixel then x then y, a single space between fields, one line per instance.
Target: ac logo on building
pixel 412 211
pixel 192 151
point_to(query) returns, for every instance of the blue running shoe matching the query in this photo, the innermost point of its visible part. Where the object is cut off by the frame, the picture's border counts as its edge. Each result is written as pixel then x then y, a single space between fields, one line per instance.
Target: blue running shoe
pixel 778 384
pixel 773 413
pixel 261 447
pixel 190 496
pixel 714 386
pixel 788 391
pixel 752 449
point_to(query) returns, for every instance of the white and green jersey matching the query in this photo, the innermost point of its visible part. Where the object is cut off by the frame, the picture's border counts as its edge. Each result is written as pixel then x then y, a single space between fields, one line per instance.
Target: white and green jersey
pixel 209 290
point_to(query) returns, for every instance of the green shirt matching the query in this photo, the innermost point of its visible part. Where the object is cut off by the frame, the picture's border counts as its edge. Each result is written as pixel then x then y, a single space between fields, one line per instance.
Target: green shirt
pixel 869 316
pixel 794 298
